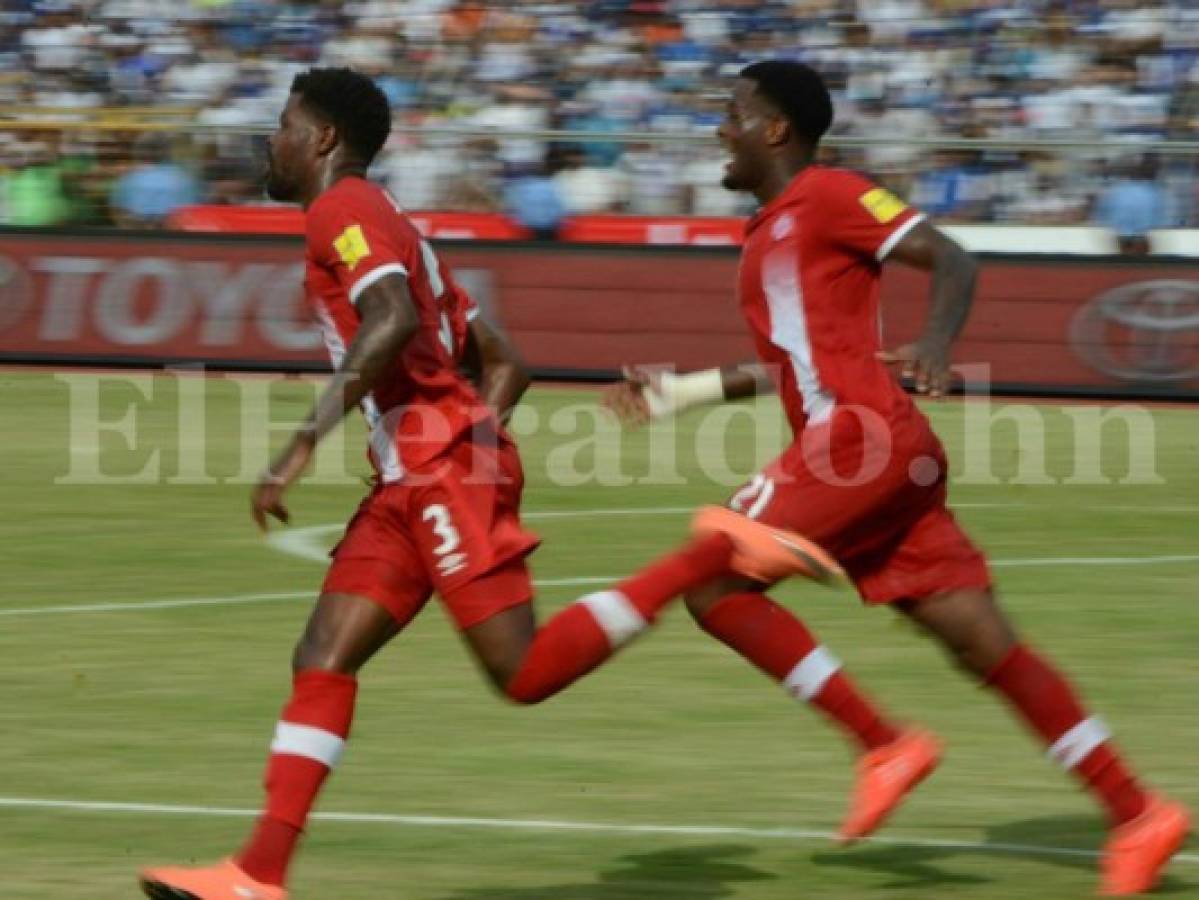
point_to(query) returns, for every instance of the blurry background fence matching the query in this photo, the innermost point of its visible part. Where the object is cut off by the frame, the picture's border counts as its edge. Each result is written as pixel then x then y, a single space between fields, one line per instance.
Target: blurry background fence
pixel 1034 112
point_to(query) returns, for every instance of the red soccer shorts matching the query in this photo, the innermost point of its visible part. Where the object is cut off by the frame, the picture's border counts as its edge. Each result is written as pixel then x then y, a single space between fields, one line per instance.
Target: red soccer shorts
pixel 452 526
pixel 877 502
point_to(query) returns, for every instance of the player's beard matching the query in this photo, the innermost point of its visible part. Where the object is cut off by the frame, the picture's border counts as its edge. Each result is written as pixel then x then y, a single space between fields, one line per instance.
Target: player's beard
pixel 732 180
pixel 278 188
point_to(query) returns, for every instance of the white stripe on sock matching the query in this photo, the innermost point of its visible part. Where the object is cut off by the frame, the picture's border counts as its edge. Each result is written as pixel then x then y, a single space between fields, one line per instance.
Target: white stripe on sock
pixel 1077 744
pixel 812 673
pixel 313 743
pixel 619 619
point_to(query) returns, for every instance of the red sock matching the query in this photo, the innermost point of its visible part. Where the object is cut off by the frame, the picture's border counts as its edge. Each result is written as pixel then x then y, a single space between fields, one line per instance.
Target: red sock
pixel 308 742
pixel 588 632
pixel 665 579
pixel 781 646
pixel 1078 742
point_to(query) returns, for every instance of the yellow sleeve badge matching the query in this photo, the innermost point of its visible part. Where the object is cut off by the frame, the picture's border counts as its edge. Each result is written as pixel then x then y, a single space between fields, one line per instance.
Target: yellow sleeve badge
pixel 882 204
pixel 352 247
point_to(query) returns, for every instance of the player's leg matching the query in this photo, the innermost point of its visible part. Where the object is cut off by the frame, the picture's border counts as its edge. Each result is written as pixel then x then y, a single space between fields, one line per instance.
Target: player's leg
pixel 530 664
pixel 370 593
pixel 343 633
pixel 892 760
pixel 737 613
pixel 1146 830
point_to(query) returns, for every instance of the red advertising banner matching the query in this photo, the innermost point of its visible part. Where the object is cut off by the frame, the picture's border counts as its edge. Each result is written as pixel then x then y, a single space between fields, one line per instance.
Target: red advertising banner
pixel 462 226
pixel 1094 325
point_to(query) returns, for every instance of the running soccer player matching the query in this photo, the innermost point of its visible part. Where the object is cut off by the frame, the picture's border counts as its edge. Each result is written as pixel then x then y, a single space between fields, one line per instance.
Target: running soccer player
pixel 444 514
pixel 866 477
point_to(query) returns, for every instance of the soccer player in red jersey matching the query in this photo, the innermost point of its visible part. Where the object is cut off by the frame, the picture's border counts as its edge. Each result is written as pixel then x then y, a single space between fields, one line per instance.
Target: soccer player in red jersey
pixel 444 514
pixel 866 476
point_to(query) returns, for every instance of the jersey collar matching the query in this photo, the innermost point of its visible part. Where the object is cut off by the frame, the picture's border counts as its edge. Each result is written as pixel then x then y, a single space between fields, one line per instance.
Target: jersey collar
pixel 784 199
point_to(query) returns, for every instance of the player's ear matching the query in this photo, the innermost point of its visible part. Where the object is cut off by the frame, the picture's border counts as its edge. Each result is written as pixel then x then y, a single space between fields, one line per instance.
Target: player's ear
pixel 778 131
pixel 326 139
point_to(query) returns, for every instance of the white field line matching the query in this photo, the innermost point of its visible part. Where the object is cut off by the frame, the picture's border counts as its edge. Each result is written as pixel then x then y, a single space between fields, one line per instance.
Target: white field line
pixel 784 834
pixel 240 599
pixel 305 543
pixel 583 581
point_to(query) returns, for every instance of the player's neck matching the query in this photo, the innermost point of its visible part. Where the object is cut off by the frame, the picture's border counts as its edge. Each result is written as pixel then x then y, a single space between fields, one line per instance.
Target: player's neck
pixel 330 177
pixel 779 178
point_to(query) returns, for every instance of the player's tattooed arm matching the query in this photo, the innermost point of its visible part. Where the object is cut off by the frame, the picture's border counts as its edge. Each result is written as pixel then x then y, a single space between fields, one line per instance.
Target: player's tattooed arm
pixel 388 321
pixel 496 368
pixel 954 275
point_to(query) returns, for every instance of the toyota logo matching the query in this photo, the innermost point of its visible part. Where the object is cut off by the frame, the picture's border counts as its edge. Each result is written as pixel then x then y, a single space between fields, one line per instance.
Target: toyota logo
pixel 1147 331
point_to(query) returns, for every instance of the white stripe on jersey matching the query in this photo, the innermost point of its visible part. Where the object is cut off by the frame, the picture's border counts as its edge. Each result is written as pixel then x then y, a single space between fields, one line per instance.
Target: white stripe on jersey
pixel 377 275
pixel 329 333
pixel 382 442
pixel 789 328
pixel 898 235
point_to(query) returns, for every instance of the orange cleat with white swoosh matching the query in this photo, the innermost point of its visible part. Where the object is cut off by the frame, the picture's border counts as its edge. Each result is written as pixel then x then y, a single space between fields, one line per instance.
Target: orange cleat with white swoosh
pixel 765 553
pixel 885 777
pixel 224 881
pixel 1138 850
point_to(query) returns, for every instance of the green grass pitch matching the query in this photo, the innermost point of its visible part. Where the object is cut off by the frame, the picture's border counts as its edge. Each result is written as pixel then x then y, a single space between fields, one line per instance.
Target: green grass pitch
pixel 174 705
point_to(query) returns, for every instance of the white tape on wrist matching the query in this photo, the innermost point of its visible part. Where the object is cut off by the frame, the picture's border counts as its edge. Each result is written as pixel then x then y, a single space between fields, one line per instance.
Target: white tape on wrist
pixel 675 393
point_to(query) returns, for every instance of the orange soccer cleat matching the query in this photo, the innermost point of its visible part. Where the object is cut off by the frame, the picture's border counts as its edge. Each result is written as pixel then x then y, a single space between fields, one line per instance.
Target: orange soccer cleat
pixel 224 881
pixel 764 553
pixel 1138 850
pixel 885 777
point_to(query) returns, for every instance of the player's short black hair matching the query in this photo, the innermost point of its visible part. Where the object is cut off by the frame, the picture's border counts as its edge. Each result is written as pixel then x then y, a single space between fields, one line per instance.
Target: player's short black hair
pixel 352 103
pixel 798 91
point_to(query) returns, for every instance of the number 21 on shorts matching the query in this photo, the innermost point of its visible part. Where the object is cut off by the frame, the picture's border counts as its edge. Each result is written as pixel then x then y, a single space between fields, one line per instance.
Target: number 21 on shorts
pixel 449 559
pixel 754 497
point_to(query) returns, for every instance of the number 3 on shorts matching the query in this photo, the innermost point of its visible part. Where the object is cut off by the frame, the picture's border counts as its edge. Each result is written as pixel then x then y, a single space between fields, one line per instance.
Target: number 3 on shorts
pixel 448 561
pixel 443 528
pixel 754 497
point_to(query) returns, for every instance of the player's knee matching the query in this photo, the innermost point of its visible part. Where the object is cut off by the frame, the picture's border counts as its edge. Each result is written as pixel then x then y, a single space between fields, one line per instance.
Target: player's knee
pixel 523 692
pixel 317 649
pixel 701 600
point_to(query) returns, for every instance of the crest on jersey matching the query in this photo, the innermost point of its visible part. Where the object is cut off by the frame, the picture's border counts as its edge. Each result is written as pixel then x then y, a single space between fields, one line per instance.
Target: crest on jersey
pixel 782 227
pixel 352 247
pixel 882 204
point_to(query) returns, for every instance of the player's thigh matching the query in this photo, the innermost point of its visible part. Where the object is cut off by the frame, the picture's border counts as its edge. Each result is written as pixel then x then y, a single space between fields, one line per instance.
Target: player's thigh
pixel 378 564
pixel 847 517
pixel 343 632
pixel 969 623
pixel 932 557
pixel 501 641
pixel 472 543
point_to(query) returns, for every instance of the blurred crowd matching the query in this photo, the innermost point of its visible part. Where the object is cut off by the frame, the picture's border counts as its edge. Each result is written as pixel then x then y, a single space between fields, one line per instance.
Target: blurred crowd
pixel 1080 70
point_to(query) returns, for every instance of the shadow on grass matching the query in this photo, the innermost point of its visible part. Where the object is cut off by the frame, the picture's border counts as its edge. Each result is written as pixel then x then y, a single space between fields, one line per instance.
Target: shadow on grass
pixel 915 865
pixel 694 873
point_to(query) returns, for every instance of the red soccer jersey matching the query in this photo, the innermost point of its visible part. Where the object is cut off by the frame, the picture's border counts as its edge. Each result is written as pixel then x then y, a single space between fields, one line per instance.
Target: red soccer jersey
pixel 809 289
pixel 356 235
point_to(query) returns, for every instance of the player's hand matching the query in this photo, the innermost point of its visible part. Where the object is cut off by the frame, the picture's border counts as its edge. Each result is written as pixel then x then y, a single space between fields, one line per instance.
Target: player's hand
pixel 267 496
pixel 628 399
pixel 925 363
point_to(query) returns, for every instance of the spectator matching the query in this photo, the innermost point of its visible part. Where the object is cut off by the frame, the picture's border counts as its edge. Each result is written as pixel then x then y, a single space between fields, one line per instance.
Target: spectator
pixel 586 188
pixel 955 188
pixel 154 188
pixel 1133 205
pixel 900 69
pixel 35 192
pixel 535 201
